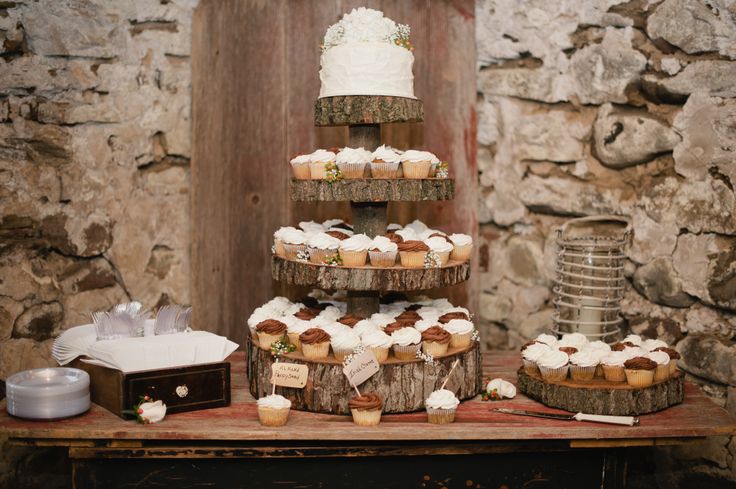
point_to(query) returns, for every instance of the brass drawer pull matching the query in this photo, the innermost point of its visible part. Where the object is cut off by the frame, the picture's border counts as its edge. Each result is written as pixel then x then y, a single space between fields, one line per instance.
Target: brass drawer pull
pixel 182 391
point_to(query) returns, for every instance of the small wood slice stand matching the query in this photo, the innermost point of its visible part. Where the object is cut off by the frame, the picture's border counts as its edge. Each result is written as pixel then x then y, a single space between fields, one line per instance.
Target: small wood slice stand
pixel 602 397
pixel 403 385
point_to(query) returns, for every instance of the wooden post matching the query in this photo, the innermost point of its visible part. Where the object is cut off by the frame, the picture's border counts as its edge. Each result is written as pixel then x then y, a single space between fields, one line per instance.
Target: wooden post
pixel 367 136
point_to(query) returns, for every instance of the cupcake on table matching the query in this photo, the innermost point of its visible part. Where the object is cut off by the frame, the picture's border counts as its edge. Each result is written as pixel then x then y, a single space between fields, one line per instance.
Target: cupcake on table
pixel 674 356
pixel 406 342
pixel 354 250
pixel 315 343
pixel 417 164
pixel 530 355
pixel 582 365
pixel 461 331
pixel 412 253
pixel 441 406
pixel 441 246
pixel 554 365
pixel 640 371
pixel 344 343
pixel 322 247
pixel 269 332
pixel 273 410
pixel 385 163
pixel 662 372
pixel 300 167
pixel 366 409
pixel 435 341
pixel 462 247
pixel 382 252
pixel 378 342
pixel 613 366
pixel 352 162
pixel 294 241
pixel 318 163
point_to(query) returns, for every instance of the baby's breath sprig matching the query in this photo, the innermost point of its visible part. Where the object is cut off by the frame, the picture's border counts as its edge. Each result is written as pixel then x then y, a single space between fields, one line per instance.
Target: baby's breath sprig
pixel 282 347
pixel 333 261
pixel 443 170
pixel 332 173
pixel 302 255
pixel 475 336
pixel 432 260
pixel 357 351
pixel 401 37
pixel 427 357
pixel 273 249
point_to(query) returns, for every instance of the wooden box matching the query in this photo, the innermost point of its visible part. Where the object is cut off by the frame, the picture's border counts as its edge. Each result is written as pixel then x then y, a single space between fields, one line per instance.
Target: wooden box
pixel 181 389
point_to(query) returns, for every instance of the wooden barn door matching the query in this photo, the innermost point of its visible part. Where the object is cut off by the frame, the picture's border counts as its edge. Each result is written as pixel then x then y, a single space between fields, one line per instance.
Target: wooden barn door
pixel 255 77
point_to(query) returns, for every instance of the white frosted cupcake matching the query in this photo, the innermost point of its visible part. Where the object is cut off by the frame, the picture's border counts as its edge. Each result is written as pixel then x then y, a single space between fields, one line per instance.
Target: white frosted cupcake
pixel 278 240
pixel 318 162
pixel 441 247
pixel 385 162
pixel 365 325
pixel 382 252
pixel 295 240
pixel 582 365
pixel 635 339
pixel 300 167
pixel 441 406
pixel 321 247
pixel 531 355
pixel 462 247
pixel 354 250
pixel 352 162
pixel 344 342
pixel 663 365
pixel 651 345
pixel 407 234
pixel 378 342
pixel 613 366
pixel 599 349
pixel 547 339
pixel 461 331
pixel 273 410
pixel 416 164
pixel 576 340
pixel 406 343
pixel 553 365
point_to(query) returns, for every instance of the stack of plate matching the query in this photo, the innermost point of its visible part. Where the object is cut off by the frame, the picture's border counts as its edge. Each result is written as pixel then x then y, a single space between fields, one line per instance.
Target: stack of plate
pixel 48 393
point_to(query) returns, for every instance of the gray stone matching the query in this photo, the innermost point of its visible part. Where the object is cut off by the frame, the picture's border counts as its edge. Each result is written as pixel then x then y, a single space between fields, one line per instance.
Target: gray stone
pixel 39 322
pixel 695 26
pixel 542 84
pixel 714 77
pixel 494 308
pixel 651 238
pixel 537 323
pixel 556 135
pixel 9 312
pixel 658 282
pixel 525 261
pixel 568 197
pixel 706 264
pixel 626 138
pixel 708 357
pixel 666 329
pixel 704 319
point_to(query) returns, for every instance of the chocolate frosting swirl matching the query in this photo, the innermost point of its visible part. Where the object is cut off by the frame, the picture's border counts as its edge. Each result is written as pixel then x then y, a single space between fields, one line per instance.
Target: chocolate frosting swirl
pixel 338 235
pixel 640 363
pixel 413 315
pixel 306 313
pixel 413 307
pixel 674 354
pixel 412 245
pixel 343 225
pixel 436 334
pixel 271 326
pixel 444 236
pixel 395 326
pixel 350 319
pixel 618 347
pixel 395 238
pixel 568 349
pixel 366 402
pixel 312 336
pixel 629 344
pixel 447 317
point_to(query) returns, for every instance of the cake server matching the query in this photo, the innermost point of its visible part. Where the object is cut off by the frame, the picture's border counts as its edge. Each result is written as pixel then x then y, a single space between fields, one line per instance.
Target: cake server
pixel 595 418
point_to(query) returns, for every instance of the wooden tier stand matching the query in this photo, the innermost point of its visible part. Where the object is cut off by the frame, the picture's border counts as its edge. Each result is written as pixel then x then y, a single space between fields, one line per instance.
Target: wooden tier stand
pixel 602 397
pixel 402 384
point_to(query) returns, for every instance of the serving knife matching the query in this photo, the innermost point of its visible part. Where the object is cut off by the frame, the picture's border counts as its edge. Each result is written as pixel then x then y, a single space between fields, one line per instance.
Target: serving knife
pixel 595 418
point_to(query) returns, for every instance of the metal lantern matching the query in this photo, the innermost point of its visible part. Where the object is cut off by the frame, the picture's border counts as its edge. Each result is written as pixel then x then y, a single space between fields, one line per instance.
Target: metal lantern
pixel 589 283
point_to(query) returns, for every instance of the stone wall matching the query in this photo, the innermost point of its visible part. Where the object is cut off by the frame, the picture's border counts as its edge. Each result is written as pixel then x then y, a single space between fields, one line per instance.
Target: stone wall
pixel 610 107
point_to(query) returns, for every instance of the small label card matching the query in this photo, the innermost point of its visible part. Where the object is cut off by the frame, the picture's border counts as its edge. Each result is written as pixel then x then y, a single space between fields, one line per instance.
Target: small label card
pixel 361 367
pixel 289 375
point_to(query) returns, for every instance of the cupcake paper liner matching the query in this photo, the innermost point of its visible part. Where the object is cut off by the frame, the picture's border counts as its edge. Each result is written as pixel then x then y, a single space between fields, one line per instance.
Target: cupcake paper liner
pixel 317 169
pixel 582 374
pixel 412 259
pixel 294 340
pixel 352 170
pixel 416 169
pixel 530 367
pixel 672 366
pixel 444 257
pixel 265 340
pixel 554 374
pixel 434 348
pixel 639 378
pixel 278 248
pixel 408 352
pixel 341 353
pixel 662 372
pixel 461 253
pixel 301 171
pixel 599 371
pixel 318 350
pixel 614 373
pixel 461 340
pixel 366 417
pixel 292 249
pixel 440 416
pixel 353 258
pixel 318 256
pixel 273 417
pixel 385 170
pixel 382 258
pixel 381 354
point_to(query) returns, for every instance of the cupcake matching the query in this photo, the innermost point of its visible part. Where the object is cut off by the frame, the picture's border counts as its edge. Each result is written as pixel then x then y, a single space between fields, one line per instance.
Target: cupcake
pixel 354 250
pixel 531 354
pixel 350 319
pixel 318 162
pixel 406 234
pixel 385 163
pixel 406 343
pixel 651 345
pixel 366 409
pixel 461 331
pixel 322 247
pixel 278 240
pixel 366 325
pixel 273 410
pixel 382 252
pixel 634 339
pixel 295 241
pixel 553 365
pixel 441 406
pixel 315 343
pixel 441 247
pixel 352 162
pixel 416 164
pixel 599 349
pixel 391 328
pixel 663 365
pixel 408 316
pixel 613 366
pixel 576 340
pixel 582 365
pixel 260 314
pixel 674 356
pixel 270 331
pixel 547 339
pixel 449 316
pixel 435 341
pixel 294 328
pixel 300 167
pixel 462 247
pixel 640 371
pixel 378 342
pixel 413 253
pixel 344 343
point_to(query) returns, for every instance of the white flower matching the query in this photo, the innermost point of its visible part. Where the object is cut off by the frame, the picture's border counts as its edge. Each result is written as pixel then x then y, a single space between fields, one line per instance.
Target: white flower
pixel 152 412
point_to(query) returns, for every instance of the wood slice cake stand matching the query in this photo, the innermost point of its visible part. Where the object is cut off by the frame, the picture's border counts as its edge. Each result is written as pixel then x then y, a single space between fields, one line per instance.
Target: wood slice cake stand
pixel 373 190
pixel 602 397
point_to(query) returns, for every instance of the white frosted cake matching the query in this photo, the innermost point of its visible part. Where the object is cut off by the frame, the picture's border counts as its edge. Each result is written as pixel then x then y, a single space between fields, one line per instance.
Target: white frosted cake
pixel 366 53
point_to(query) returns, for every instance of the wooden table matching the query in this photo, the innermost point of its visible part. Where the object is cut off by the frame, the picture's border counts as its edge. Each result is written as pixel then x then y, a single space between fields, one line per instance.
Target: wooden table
pixel 219 446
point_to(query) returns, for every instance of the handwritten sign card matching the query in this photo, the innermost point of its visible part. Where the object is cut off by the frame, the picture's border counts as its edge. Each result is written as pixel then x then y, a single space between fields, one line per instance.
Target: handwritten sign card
pixel 289 375
pixel 361 367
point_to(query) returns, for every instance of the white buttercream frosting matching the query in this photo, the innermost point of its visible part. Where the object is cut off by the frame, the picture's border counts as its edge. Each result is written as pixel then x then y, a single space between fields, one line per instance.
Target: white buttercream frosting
pixel 458 326
pixel 375 338
pixel 535 351
pixel 503 388
pixel 300 159
pixel 381 319
pixel 259 315
pixel 659 356
pixel 633 338
pixel 406 336
pixel 585 358
pixel 345 340
pixel 383 244
pixel 293 236
pixel 311 227
pixel 547 339
pixel 553 359
pixel 416 225
pixel 651 345
pixel 598 345
pixel 322 155
pixel 407 234
pixel 424 324
pixel 438 244
pixel 354 155
pixel 356 242
pixel 274 401
pixel 323 241
pixel 387 154
pixel 366 325
pixel 442 399
pixel 615 359
pixel 459 239
pixel 393 227
pixel 330 312
pixel 414 155
pixel 577 340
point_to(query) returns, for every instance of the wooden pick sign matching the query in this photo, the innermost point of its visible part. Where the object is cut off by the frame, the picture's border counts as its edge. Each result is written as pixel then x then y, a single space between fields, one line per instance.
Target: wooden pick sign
pixel 361 367
pixel 289 375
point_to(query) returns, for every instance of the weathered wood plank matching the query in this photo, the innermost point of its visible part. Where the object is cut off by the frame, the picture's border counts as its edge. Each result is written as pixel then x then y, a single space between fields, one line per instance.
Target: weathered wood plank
pixel 368 278
pixel 373 190
pixel 366 109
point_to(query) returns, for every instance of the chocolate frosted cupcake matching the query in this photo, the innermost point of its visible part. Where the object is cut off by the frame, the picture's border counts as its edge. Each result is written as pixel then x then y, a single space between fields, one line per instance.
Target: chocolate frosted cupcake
pixel 391 328
pixel 269 332
pixel 435 341
pixel 315 343
pixel 338 234
pixel 306 313
pixel 568 349
pixel 412 253
pixel 366 409
pixel 441 406
pixel 350 319
pixel 447 317
pixel 674 356
pixel 409 315
pixel 640 371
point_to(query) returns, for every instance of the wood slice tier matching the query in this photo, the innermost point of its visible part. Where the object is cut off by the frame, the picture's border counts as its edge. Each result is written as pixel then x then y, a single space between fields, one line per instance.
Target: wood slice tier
pixel 403 385
pixel 368 278
pixel 366 109
pixel 603 397
pixel 373 190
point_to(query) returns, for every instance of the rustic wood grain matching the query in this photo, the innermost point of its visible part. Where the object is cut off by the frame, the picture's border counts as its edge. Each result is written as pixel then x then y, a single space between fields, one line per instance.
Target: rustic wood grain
pixel 366 109
pixel 603 397
pixel 373 190
pixel 368 278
